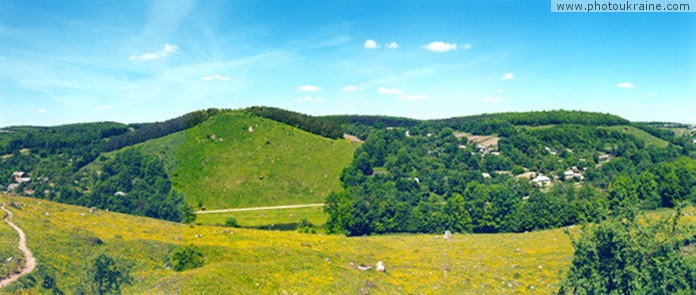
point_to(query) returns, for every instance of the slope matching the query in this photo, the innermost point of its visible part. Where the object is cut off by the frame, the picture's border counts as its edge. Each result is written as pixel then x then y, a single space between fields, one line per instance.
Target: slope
pixel 66 238
pixel 236 159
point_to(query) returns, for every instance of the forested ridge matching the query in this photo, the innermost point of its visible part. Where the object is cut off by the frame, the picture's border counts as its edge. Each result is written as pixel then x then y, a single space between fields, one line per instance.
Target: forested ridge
pixel 425 178
pixel 54 156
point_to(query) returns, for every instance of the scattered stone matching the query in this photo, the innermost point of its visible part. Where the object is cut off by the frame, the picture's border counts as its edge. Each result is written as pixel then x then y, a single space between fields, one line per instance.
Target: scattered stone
pixel 303 244
pixel 198 236
pixel 518 250
pixel 93 210
pixel 82 214
pixel 448 235
pixel 540 267
pixel 327 260
pixel 46 213
pixel 380 266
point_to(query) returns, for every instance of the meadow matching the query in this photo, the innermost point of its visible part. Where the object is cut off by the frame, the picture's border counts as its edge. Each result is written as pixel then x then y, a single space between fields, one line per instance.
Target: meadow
pixel 237 160
pixel 246 261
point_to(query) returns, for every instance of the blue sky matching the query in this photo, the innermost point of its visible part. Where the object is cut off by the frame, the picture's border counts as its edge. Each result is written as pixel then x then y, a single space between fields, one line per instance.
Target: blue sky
pixel 139 61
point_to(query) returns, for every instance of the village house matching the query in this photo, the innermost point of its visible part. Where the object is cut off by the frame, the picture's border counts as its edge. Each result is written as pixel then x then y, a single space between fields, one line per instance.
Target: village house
pixel 21 176
pixel 542 181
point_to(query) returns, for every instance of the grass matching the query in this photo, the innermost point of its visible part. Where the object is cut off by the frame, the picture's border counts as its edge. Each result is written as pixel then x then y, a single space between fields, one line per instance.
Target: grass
pixel 248 261
pixel 236 160
pixel 648 138
pixel 282 219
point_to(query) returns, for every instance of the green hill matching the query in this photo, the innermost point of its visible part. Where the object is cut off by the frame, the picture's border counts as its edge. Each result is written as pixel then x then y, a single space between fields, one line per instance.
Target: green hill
pixel 236 159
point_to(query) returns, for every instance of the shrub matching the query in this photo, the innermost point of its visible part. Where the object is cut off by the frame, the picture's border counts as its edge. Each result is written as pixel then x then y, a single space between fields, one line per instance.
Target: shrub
pixel 186 257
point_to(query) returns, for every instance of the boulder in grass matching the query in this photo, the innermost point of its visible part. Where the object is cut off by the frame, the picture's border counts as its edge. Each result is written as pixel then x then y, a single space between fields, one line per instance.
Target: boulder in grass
pixel 448 235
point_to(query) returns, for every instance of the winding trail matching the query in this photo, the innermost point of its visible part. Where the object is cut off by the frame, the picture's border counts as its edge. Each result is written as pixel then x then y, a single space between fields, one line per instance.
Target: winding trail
pixel 259 208
pixel 22 245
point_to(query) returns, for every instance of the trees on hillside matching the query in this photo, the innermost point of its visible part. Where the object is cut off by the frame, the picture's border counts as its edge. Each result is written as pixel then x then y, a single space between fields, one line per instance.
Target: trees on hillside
pixel 623 256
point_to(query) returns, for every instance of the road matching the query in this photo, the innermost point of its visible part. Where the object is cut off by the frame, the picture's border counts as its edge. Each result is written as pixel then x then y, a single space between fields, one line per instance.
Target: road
pixel 259 208
pixel 22 245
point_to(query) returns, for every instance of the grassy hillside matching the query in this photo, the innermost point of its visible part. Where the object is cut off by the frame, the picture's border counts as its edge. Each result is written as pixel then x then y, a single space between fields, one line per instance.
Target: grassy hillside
pixel 280 219
pixel 245 261
pixel 647 137
pixel 255 261
pixel 239 160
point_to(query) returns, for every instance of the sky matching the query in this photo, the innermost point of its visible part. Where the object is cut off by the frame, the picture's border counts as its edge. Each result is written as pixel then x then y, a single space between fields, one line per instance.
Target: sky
pixel 143 61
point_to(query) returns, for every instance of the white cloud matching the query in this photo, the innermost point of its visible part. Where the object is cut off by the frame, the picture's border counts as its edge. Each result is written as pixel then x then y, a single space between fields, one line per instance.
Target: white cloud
pixel 389 91
pixel 308 88
pixel 215 77
pixel 412 97
pixel 42 111
pixel 392 45
pixel 312 99
pixel 167 49
pixel 466 46
pixel 370 44
pixel 439 46
pixel 492 99
pixel 625 85
pixel 509 76
pixel 352 88
pixel 498 91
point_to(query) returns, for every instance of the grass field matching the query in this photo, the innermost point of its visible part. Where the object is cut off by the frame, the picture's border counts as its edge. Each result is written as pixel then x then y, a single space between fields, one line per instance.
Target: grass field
pixel 281 219
pixel 647 137
pixel 238 160
pixel 247 261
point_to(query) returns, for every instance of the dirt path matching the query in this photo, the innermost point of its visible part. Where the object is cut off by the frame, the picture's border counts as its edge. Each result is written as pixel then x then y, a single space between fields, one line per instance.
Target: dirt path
pixel 22 245
pixel 260 208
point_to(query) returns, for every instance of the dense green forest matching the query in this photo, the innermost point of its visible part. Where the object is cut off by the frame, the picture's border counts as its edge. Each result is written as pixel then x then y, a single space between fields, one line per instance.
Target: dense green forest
pixel 424 178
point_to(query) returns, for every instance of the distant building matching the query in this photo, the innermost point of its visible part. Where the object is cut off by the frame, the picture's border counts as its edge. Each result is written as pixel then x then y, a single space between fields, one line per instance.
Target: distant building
pixel 21 176
pixel 541 180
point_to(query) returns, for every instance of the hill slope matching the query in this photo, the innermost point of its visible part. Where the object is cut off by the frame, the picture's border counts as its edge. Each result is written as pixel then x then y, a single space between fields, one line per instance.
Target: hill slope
pixel 255 261
pixel 240 160
pixel 66 238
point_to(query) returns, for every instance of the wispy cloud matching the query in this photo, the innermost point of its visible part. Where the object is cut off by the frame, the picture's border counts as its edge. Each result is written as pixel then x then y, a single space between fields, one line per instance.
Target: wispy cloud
pixel 167 49
pixel 312 99
pixel 499 91
pixel 42 111
pixel 102 107
pixel 625 85
pixel 466 46
pixel 214 77
pixel 390 91
pixel 509 76
pixel 392 45
pixel 491 99
pixel 439 46
pixel 352 88
pixel 308 88
pixel 370 44
pixel 400 94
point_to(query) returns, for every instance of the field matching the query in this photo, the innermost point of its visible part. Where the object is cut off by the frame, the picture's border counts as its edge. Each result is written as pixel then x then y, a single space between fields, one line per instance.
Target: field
pixel 237 160
pixel 647 137
pixel 256 261
pixel 282 219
